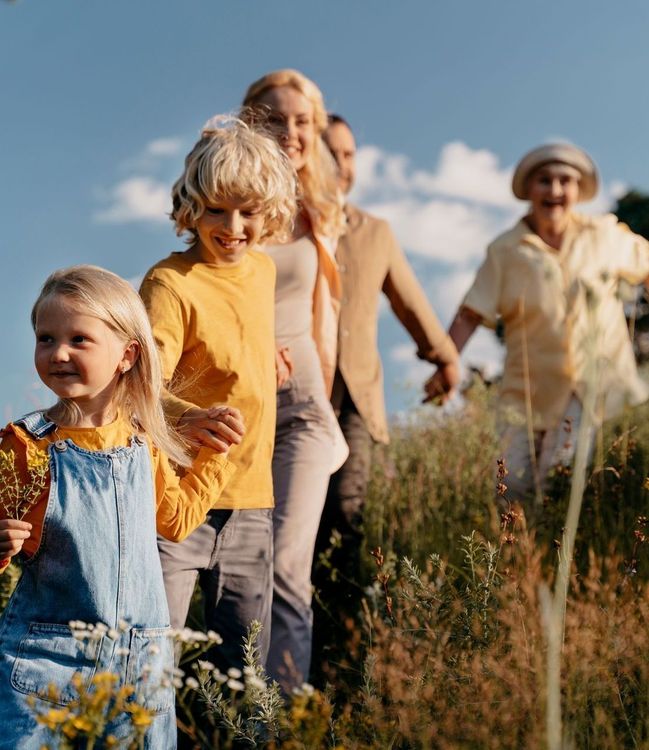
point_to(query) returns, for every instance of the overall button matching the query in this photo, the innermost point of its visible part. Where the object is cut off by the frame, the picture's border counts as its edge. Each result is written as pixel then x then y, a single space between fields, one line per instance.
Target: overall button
pixel 61 446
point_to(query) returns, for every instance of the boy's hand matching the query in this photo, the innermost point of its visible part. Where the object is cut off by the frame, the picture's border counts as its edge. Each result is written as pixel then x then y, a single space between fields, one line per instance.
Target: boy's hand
pixel 218 427
pixel 444 380
pixel 283 365
pixel 12 536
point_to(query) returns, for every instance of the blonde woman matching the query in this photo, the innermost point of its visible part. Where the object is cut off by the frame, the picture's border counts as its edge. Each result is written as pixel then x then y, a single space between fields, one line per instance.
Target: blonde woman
pixel 308 443
pixel 553 281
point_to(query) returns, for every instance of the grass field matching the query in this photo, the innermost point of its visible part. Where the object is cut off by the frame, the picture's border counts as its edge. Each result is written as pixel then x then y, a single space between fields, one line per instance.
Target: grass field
pixel 447 647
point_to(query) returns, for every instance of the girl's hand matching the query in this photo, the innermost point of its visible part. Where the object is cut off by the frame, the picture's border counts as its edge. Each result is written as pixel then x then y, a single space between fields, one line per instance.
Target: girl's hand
pixel 12 536
pixel 218 427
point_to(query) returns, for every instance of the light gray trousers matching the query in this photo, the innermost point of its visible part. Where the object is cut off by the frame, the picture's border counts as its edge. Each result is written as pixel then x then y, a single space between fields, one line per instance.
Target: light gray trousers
pixel 552 448
pixel 301 468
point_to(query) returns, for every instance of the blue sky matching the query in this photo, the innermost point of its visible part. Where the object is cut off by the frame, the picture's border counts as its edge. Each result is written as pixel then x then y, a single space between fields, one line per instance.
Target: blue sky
pixel 101 101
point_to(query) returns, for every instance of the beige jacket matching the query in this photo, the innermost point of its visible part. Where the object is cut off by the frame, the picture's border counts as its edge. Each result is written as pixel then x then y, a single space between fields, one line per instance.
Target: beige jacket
pixel 370 260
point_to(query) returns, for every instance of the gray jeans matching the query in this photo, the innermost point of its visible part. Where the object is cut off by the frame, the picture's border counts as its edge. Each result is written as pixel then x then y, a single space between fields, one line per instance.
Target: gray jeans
pixel 301 463
pixel 339 597
pixel 232 556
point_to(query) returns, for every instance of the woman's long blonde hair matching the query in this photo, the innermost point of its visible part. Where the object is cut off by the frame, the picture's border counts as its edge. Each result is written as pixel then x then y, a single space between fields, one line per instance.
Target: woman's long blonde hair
pixel 318 176
pixel 113 300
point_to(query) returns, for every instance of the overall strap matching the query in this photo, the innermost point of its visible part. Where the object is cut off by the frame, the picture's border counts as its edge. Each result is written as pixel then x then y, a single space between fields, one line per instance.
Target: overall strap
pixel 36 424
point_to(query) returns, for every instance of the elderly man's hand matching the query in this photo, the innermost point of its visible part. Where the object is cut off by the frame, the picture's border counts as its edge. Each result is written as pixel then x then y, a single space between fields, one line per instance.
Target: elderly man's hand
pixel 444 380
pixel 218 427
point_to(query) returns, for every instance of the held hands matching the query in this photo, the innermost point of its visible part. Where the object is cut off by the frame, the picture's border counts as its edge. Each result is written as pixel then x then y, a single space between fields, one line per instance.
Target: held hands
pixel 12 536
pixel 218 427
pixel 439 388
pixel 283 365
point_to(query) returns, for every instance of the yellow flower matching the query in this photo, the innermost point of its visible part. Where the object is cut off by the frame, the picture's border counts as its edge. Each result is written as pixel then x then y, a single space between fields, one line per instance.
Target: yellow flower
pixel 140 716
pixel 54 717
pixel 82 723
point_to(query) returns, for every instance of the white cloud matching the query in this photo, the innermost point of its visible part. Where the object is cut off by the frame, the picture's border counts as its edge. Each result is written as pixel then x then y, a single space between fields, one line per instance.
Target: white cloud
pixel 164 147
pixel 448 215
pixel 137 199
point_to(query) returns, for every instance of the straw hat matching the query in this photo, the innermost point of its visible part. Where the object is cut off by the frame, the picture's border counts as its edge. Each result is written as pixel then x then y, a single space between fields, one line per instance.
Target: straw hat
pixel 552 153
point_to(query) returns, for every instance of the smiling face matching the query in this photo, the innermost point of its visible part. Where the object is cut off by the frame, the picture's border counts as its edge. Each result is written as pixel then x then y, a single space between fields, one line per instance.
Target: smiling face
pixel 553 190
pixel 292 122
pixel 78 356
pixel 228 229
pixel 340 141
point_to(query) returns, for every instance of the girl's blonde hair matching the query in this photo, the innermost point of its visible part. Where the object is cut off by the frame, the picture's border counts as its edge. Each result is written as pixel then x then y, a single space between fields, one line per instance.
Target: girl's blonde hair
pixel 318 176
pixel 106 296
pixel 233 160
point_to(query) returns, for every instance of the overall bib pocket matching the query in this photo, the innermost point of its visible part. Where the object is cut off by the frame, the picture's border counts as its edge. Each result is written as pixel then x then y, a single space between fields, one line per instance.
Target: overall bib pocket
pixel 48 658
pixel 150 666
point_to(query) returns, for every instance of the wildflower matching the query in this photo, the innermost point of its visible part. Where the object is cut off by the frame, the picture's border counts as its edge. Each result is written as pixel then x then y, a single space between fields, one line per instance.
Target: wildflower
pixel 205 666
pixel 192 683
pixel 214 637
pixel 219 676
pixel 235 685
pixel 121 651
pixel 139 715
pixel 54 717
pixel 252 681
pixel 234 673
pixel 18 495
pixel 82 724
pixel 154 649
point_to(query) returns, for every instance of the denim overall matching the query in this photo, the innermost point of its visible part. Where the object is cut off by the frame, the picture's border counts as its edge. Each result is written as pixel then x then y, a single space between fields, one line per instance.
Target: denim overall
pixel 97 562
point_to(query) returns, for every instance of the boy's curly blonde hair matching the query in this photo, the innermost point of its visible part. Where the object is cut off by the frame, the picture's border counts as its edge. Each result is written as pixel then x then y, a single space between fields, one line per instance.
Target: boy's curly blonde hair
pixel 233 160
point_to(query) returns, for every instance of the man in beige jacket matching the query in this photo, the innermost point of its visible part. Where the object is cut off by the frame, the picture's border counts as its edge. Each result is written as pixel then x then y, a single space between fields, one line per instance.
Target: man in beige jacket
pixel 369 261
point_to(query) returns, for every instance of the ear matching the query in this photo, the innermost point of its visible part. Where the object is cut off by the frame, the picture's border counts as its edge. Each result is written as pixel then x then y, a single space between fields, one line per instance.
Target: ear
pixel 131 353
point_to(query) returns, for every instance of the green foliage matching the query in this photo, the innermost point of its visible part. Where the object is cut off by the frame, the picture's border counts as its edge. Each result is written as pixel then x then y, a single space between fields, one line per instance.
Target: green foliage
pixel 633 209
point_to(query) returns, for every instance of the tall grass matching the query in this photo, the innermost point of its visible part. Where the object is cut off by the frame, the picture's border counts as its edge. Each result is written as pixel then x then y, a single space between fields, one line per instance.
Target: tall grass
pixel 448 648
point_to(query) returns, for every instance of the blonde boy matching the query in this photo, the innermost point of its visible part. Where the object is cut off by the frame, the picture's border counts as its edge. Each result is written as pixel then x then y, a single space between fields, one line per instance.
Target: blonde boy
pixel 211 310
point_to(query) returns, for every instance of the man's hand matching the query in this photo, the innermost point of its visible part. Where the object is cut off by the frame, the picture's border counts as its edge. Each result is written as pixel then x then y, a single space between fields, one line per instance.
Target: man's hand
pixel 444 380
pixel 283 365
pixel 218 427
pixel 12 536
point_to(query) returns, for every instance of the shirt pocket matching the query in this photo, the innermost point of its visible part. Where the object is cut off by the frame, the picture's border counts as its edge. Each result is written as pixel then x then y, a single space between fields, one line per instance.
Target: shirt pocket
pixel 48 658
pixel 150 668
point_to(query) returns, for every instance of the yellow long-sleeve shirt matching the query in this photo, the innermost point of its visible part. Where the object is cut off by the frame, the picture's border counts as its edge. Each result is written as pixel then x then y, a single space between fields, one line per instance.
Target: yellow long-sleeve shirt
pixel 181 502
pixel 215 330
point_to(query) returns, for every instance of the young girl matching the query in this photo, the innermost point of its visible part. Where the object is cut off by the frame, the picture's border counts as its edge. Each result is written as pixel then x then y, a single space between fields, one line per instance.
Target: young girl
pixel 92 553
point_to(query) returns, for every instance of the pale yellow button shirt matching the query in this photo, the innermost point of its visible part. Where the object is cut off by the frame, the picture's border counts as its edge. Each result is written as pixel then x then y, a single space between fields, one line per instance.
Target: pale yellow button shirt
pixel 561 312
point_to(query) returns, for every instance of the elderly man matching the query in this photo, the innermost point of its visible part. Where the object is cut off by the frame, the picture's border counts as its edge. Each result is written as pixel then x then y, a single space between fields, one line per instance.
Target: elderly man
pixel 370 261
